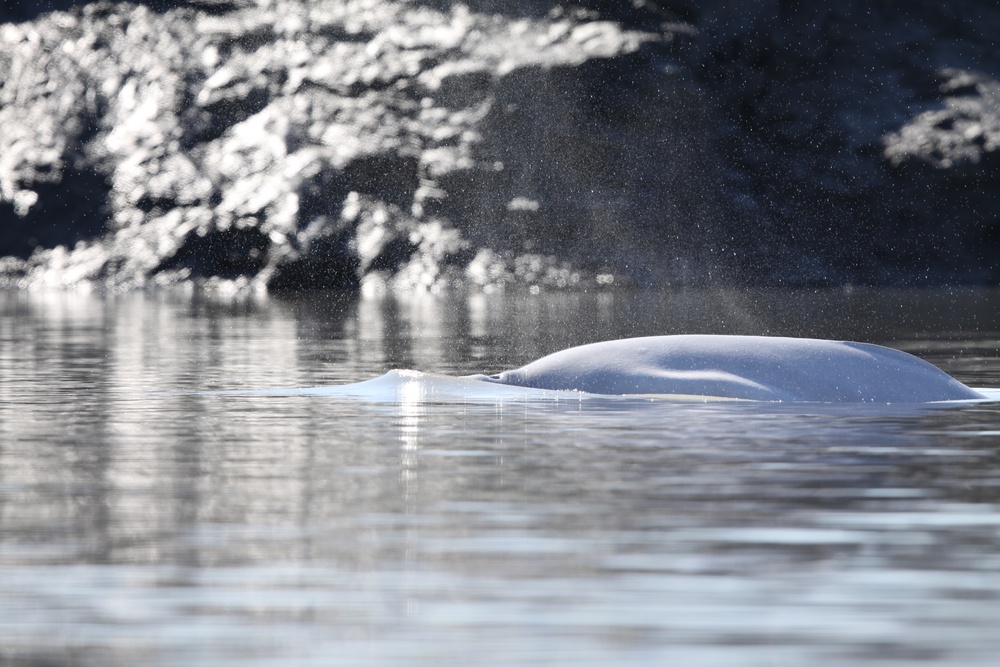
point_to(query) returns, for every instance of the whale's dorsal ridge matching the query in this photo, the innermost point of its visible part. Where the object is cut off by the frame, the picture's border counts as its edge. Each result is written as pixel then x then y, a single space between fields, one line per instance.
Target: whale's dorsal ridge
pixel 748 367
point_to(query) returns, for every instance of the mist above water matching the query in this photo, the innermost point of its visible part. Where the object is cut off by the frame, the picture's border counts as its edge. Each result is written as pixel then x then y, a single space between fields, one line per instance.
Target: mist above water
pixel 377 144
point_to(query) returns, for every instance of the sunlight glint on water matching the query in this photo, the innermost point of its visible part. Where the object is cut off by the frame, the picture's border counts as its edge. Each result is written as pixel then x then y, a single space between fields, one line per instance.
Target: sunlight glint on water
pixel 145 517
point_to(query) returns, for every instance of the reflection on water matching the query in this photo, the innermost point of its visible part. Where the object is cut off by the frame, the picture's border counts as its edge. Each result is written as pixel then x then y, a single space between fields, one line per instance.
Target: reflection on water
pixel 143 519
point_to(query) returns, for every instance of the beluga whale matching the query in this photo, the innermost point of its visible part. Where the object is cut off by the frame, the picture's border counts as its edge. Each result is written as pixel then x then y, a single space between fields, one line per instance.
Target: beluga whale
pixel 756 368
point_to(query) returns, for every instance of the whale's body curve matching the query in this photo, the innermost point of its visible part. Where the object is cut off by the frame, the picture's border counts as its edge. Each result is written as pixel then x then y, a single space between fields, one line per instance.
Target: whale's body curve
pixel 744 367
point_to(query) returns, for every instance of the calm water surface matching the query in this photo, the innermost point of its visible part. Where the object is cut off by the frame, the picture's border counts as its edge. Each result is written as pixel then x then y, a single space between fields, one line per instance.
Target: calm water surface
pixel 145 519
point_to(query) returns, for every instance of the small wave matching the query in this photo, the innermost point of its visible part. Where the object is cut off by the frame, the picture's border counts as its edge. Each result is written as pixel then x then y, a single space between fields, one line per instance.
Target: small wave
pixel 407 386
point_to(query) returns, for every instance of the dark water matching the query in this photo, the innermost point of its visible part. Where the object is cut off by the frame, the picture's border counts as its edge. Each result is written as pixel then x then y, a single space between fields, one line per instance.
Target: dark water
pixel 143 522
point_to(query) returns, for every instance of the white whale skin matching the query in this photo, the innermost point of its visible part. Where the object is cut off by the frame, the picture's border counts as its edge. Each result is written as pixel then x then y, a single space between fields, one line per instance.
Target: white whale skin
pixel 759 368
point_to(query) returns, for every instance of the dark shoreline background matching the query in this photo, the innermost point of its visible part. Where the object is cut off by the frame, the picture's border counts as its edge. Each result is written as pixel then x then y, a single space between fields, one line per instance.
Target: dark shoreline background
pixel 299 145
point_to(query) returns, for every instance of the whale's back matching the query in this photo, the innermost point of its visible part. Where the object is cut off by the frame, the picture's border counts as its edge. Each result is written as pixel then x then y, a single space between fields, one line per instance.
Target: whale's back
pixel 748 367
